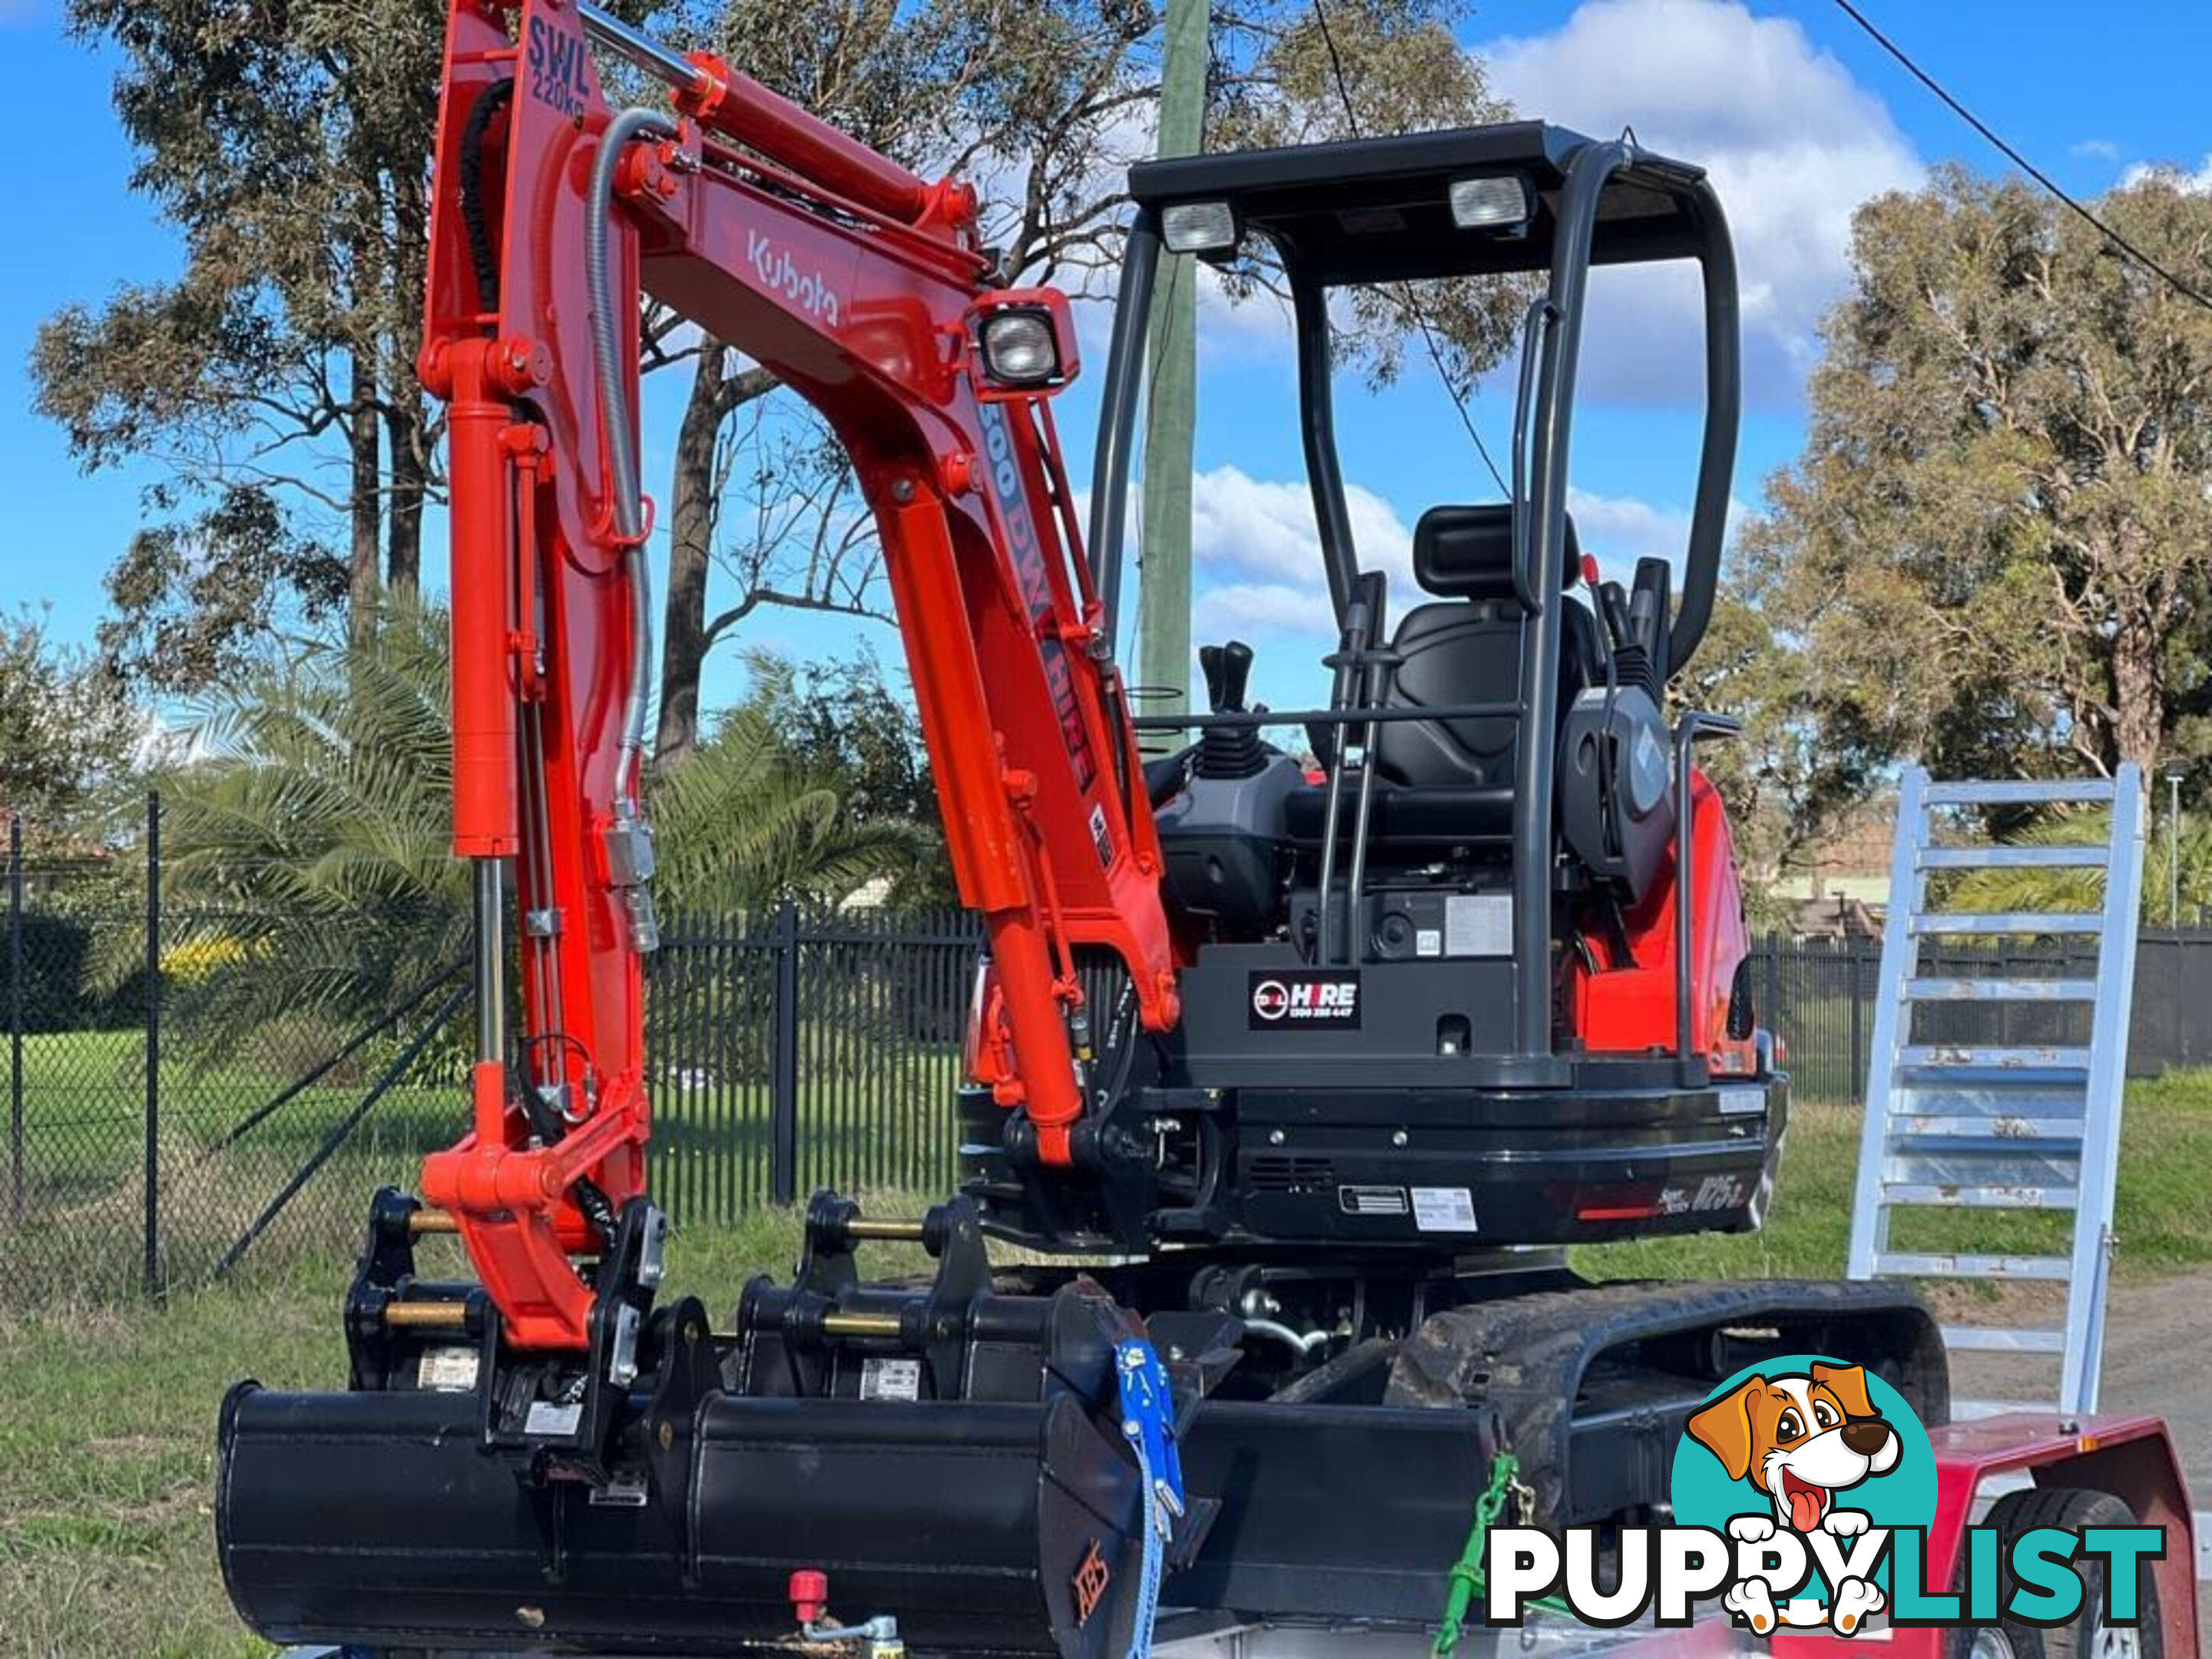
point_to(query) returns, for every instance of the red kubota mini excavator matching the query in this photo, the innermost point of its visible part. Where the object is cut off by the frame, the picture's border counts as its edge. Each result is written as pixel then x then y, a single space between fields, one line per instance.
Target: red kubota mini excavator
pixel 1307 1084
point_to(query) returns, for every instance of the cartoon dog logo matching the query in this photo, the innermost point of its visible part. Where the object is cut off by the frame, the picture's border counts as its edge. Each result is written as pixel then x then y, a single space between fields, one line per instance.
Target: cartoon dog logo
pixel 1799 1440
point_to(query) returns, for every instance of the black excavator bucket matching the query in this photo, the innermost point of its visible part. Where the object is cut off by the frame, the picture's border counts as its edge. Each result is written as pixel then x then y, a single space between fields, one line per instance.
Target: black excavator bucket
pixel 380 1518
pixel 945 1455
pixel 956 1458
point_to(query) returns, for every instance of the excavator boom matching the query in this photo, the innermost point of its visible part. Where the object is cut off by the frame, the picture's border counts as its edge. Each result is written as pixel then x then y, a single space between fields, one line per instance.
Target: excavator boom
pixel 862 287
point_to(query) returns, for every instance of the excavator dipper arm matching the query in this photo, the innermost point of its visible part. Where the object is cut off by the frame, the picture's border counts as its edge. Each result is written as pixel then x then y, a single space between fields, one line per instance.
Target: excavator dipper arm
pixel 863 288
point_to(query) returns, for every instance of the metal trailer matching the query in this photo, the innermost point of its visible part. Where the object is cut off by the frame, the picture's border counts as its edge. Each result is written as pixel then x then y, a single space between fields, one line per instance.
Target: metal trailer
pixel 2131 1458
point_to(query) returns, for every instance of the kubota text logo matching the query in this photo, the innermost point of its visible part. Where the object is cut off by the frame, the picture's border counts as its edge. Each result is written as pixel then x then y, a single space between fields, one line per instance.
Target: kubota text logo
pixel 807 290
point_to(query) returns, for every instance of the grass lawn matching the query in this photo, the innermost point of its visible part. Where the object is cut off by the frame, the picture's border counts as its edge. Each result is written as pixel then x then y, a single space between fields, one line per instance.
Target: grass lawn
pixel 107 1448
pixel 2164 1224
pixel 107 1465
pixel 878 1119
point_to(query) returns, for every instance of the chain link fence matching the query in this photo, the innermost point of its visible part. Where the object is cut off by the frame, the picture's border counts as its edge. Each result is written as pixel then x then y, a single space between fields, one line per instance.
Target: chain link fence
pixel 147 1146
pixel 140 1147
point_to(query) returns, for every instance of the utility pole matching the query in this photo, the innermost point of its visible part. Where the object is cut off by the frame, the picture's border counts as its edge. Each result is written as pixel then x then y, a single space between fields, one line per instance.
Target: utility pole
pixel 2173 849
pixel 1170 410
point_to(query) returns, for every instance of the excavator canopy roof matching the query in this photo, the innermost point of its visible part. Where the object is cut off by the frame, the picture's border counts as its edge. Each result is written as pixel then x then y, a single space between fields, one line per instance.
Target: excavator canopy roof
pixel 1382 209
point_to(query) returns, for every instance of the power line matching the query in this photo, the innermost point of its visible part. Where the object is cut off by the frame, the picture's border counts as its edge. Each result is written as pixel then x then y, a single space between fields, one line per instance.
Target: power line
pixel 2186 290
pixel 1420 319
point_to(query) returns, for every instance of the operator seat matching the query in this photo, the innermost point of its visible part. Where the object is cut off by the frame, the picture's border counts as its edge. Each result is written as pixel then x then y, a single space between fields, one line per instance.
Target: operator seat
pixel 1466 647
pixel 1450 782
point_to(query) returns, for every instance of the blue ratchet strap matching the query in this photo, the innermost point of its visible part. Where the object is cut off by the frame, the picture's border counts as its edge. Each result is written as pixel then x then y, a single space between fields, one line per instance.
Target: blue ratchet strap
pixel 1148 1425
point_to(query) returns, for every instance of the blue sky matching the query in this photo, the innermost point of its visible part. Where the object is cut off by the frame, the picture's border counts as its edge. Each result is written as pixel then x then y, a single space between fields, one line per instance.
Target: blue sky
pixel 1799 116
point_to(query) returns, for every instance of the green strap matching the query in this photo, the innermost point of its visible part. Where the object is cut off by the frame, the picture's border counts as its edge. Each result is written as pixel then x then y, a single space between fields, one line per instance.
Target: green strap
pixel 1466 1580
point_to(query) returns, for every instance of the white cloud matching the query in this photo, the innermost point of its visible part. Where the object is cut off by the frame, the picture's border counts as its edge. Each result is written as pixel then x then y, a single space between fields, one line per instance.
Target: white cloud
pixel 1258 558
pixel 1259 535
pixel 1621 529
pixel 1258 324
pixel 2198 182
pixel 2095 150
pixel 1240 609
pixel 1794 146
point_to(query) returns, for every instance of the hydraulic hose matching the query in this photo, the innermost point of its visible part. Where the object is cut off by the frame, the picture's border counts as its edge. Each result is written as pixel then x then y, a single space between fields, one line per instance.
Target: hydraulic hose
pixel 1303 1342
pixel 621 450
pixel 481 255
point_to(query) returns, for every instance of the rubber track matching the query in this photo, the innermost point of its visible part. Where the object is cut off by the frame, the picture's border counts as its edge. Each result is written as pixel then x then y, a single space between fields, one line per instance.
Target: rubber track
pixel 1526 1357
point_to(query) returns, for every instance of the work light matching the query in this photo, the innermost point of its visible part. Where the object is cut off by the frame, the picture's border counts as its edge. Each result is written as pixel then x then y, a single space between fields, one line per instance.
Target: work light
pixel 1198 227
pixel 1024 342
pixel 1489 203
pixel 1019 348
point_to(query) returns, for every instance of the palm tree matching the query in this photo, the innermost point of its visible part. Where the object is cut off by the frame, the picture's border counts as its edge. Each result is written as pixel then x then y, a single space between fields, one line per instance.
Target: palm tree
pixel 306 869
pixel 740 824
pixel 2074 888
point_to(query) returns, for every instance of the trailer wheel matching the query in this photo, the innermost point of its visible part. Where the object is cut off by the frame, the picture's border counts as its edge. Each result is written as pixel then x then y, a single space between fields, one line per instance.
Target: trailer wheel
pixel 2087 1637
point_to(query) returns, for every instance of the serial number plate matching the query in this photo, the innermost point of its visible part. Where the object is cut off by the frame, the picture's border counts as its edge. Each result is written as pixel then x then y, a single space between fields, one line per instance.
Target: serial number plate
pixel 446 1371
pixel 1443 1210
pixel 884 1378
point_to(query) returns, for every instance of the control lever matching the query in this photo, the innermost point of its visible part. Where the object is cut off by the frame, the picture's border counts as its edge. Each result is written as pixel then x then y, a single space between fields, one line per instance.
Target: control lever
pixel 1235 674
pixel 1643 616
pixel 1228 671
pixel 1612 605
pixel 1648 608
pixel 1229 752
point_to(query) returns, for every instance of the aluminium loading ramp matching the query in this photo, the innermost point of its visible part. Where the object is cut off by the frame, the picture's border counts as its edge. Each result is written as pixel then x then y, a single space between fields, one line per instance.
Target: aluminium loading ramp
pixel 1977 1123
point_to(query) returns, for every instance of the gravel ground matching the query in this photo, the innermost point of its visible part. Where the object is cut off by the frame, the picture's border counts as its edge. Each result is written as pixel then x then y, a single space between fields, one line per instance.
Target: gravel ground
pixel 2158 1359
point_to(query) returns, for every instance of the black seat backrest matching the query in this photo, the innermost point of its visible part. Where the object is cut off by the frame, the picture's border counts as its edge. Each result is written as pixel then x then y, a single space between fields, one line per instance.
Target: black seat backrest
pixel 1465 647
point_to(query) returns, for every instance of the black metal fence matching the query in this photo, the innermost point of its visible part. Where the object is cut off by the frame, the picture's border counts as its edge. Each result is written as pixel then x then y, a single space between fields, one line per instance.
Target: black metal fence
pixel 788 1050
pixel 801 1049
pixel 1820 995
